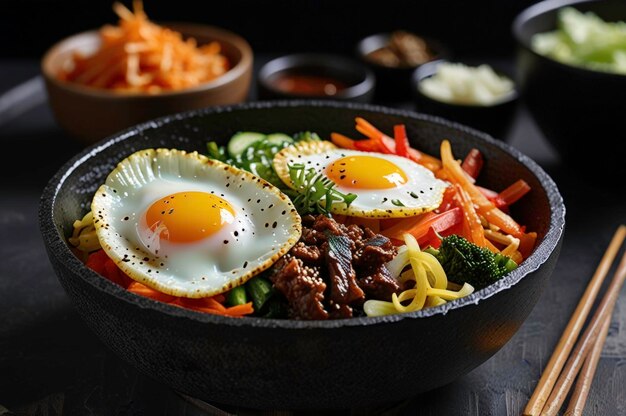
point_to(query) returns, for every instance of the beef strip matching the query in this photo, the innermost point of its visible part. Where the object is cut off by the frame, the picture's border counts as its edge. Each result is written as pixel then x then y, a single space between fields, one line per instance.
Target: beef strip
pixel 344 289
pixel 329 271
pixel 302 286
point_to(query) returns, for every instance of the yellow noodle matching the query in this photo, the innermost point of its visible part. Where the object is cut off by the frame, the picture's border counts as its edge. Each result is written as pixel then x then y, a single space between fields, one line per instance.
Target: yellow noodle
pixel 84 236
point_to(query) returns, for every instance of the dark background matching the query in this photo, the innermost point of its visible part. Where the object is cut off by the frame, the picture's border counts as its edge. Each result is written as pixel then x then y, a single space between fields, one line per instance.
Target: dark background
pixel 468 28
pixel 52 364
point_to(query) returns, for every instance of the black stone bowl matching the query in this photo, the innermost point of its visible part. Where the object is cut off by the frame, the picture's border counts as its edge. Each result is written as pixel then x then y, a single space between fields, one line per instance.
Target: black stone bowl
pixel 494 119
pixel 580 111
pixel 360 81
pixel 289 364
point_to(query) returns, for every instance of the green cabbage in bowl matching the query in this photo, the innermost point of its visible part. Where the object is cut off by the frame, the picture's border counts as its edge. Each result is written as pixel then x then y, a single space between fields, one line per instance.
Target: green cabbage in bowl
pixel 584 39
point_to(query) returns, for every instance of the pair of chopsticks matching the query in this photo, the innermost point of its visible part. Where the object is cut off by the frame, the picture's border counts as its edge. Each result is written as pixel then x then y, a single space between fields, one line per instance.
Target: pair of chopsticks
pixel 554 385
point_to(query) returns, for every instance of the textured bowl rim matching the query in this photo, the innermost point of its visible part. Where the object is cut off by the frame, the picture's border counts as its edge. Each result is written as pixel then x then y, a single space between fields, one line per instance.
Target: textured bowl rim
pixel 237 41
pixel 545 6
pixel 58 247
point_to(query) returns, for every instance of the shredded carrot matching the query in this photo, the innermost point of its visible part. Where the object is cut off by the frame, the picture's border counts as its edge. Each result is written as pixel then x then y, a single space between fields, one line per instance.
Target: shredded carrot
pixel 470 218
pixel 99 262
pixel 420 225
pixel 141 56
pixel 388 145
pixel 233 311
pixel 527 243
pixel 484 206
pixel 143 290
pixel 513 193
pixel 342 141
pixel 239 310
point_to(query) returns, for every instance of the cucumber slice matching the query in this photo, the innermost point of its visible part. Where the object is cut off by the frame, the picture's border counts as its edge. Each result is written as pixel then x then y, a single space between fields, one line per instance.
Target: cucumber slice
pixel 278 138
pixel 241 141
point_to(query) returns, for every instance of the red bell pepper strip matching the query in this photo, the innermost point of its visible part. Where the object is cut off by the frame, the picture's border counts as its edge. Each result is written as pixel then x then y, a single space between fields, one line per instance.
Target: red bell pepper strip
pixel 473 163
pixel 419 226
pixel 491 195
pixel 402 141
pixel 432 238
pixel 381 145
pixel 484 206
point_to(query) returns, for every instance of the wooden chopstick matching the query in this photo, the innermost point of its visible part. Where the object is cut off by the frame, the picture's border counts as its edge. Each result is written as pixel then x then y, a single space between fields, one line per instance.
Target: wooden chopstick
pixel 570 334
pixel 583 383
pixel 586 342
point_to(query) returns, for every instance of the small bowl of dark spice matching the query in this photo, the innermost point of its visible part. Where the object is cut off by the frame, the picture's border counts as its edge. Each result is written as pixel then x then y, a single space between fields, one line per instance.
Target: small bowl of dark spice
pixel 319 76
pixel 394 56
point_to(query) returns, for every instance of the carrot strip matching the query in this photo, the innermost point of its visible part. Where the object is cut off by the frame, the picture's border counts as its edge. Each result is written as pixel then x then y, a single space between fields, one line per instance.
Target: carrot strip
pixel 380 142
pixel 240 310
pixel 402 141
pixel 527 243
pixel 405 226
pixel 233 311
pixel 484 206
pixel 138 55
pixel 473 163
pixel 143 290
pixel 381 146
pixel 212 303
pixel 369 128
pixel 418 226
pixel 342 141
pixel 513 193
pixel 470 217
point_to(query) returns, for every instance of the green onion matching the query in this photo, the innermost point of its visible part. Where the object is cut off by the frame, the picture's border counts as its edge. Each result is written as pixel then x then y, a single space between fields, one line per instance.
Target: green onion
pixel 315 192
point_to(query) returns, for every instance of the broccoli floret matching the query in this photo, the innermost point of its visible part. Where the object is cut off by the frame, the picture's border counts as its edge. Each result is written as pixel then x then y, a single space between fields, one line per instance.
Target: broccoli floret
pixel 464 261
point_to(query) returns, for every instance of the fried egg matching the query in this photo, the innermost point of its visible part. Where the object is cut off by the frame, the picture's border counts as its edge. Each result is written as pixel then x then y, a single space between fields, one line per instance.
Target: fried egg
pixel 190 226
pixel 387 186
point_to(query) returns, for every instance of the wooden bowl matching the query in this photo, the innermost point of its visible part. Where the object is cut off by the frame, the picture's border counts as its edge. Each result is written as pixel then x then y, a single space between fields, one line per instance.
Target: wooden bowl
pixel 90 114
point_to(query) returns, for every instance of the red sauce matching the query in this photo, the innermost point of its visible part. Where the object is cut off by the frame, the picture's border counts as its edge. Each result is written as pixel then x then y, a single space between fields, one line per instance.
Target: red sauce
pixel 303 84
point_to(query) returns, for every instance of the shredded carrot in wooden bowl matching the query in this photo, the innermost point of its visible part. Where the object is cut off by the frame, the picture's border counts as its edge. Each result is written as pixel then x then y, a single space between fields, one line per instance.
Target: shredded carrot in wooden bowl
pixel 141 56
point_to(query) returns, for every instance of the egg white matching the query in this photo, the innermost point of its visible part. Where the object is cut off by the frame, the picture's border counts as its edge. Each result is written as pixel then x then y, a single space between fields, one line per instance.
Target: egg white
pixel 422 192
pixel 265 226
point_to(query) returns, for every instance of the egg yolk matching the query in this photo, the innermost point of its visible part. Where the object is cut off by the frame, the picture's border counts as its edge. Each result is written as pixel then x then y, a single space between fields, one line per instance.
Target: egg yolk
pixel 365 172
pixel 185 217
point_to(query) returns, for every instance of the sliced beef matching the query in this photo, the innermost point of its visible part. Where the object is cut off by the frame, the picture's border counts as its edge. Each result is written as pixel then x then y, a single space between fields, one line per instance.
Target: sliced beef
pixel 377 283
pixel 302 286
pixel 330 270
pixel 343 286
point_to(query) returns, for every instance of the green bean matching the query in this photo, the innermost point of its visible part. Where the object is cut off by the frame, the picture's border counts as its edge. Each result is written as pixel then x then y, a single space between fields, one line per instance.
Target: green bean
pixel 237 296
pixel 260 290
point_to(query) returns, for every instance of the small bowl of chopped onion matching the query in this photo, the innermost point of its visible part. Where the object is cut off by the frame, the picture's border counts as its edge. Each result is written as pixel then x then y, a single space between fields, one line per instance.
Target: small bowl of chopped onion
pixel 478 95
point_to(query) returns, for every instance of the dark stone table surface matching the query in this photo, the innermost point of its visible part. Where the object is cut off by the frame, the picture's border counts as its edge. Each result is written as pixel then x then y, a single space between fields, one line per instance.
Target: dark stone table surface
pixel 51 364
